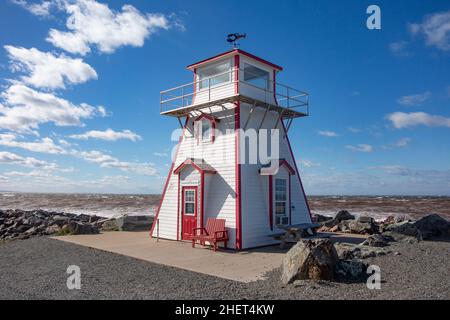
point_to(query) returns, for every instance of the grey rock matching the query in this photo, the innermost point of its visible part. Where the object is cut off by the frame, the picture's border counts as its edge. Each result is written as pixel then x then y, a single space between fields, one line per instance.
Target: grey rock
pixel 76 227
pixel 341 216
pixel 376 240
pixel 309 259
pixel 321 218
pixel 108 225
pixel 347 251
pixel 403 231
pixel 350 270
pixel 356 226
pixel 433 226
pixel 134 223
pixel 53 229
pixel 365 219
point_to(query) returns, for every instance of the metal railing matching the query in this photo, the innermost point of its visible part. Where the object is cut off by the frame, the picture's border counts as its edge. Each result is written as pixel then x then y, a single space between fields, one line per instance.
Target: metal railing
pixel 206 90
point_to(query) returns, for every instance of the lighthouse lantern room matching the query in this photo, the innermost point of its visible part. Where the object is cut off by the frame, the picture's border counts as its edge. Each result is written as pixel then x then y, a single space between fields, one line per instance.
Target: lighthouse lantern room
pixel 234 99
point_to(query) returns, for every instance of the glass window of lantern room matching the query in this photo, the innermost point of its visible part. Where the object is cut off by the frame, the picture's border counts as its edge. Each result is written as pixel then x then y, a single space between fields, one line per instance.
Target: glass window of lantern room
pixel 214 75
pixel 256 76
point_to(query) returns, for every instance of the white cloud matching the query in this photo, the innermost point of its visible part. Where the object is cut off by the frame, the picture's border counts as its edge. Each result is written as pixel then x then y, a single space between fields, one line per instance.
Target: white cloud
pixel 108 135
pixel 45 145
pixel 107 161
pixel 26 109
pixel 404 120
pixel 360 147
pixel 353 129
pixel 30 162
pixel 47 70
pixel 326 133
pixel 399 48
pixel 39 9
pixel 91 23
pixel 414 99
pixel 403 142
pixel 309 163
pixel 160 154
pixel 436 30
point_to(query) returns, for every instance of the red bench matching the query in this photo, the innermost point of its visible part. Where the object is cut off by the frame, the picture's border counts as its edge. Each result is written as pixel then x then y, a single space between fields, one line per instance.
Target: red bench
pixel 213 233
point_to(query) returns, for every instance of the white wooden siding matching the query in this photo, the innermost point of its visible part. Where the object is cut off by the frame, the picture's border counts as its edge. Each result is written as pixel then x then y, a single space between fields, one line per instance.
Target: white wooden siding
pixel 220 193
pixel 255 210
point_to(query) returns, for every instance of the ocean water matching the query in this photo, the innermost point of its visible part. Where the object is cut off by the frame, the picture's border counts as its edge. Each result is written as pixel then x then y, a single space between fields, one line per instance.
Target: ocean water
pixel 111 205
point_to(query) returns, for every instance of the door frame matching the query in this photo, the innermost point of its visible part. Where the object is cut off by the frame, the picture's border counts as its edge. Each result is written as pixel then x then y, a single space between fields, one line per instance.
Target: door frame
pixel 183 189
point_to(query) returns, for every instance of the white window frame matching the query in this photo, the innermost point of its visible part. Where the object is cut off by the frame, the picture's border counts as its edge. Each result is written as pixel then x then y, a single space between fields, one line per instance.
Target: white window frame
pixel 198 131
pixel 200 70
pixel 279 218
pixel 186 201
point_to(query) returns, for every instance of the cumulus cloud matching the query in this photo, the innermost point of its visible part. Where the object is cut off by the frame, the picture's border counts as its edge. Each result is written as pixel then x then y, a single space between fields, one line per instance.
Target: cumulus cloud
pixel 107 161
pixel 402 142
pixel 108 135
pixel 309 163
pixel 30 162
pixel 91 23
pixel 25 109
pixel 404 120
pixel 160 154
pixel 360 147
pixel 399 48
pixel 45 145
pixel 414 99
pixel 45 70
pixel 41 9
pixel 326 133
pixel 436 30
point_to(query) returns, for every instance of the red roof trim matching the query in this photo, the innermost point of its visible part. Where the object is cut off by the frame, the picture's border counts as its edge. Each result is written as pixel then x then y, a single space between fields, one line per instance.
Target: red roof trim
pixel 282 162
pixel 188 162
pixel 233 52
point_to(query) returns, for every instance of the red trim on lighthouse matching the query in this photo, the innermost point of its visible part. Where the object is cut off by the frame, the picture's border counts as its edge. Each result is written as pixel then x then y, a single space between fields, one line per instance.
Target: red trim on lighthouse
pixel 270 203
pixel 290 201
pixel 202 198
pixel 237 125
pixel 296 169
pixel 178 209
pixel 195 86
pixel 231 53
pixel 168 177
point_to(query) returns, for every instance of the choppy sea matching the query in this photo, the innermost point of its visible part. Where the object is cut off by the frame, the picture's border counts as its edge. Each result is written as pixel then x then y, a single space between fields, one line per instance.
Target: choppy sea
pixel 110 205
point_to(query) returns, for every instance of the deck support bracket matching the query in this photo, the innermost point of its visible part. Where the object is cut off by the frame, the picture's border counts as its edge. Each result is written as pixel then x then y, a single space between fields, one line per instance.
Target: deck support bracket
pixel 263 118
pixel 249 115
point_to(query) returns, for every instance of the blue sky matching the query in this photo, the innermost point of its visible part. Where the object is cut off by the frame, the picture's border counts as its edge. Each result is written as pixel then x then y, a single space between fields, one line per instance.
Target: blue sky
pixel 80 82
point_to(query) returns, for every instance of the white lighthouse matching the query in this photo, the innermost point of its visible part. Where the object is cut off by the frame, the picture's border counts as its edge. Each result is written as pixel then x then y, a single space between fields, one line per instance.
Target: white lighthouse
pixel 233 100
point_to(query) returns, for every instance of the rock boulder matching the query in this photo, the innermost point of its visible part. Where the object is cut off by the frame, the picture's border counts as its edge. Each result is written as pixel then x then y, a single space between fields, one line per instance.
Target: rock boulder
pixel 313 259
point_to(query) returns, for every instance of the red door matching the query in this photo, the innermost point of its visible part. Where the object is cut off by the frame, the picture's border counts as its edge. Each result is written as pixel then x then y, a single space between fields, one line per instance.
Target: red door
pixel 188 212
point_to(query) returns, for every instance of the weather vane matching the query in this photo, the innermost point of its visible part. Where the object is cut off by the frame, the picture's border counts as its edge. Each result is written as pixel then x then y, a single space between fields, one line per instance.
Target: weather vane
pixel 232 38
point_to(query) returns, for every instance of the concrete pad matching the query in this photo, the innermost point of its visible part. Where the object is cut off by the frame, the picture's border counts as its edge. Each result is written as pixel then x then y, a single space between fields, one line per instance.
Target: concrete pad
pixel 243 266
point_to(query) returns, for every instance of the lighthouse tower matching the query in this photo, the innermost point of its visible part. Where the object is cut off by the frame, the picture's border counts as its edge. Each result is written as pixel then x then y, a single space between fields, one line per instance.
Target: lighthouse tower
pixel 233 160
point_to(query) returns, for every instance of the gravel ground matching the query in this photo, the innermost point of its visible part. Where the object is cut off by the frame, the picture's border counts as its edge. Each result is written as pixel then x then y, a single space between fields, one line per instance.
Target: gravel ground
pixel 36 269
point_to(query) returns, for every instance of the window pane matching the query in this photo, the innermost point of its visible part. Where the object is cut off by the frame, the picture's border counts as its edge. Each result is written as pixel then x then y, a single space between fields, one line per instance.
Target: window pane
pixel 206 130
pixel 189 196
pixel 256 76
pixel 189 208
pixel 215 75
pixel 280 208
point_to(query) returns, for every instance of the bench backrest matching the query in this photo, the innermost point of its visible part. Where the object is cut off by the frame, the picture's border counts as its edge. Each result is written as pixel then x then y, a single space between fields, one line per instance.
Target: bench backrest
pixel 213 225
